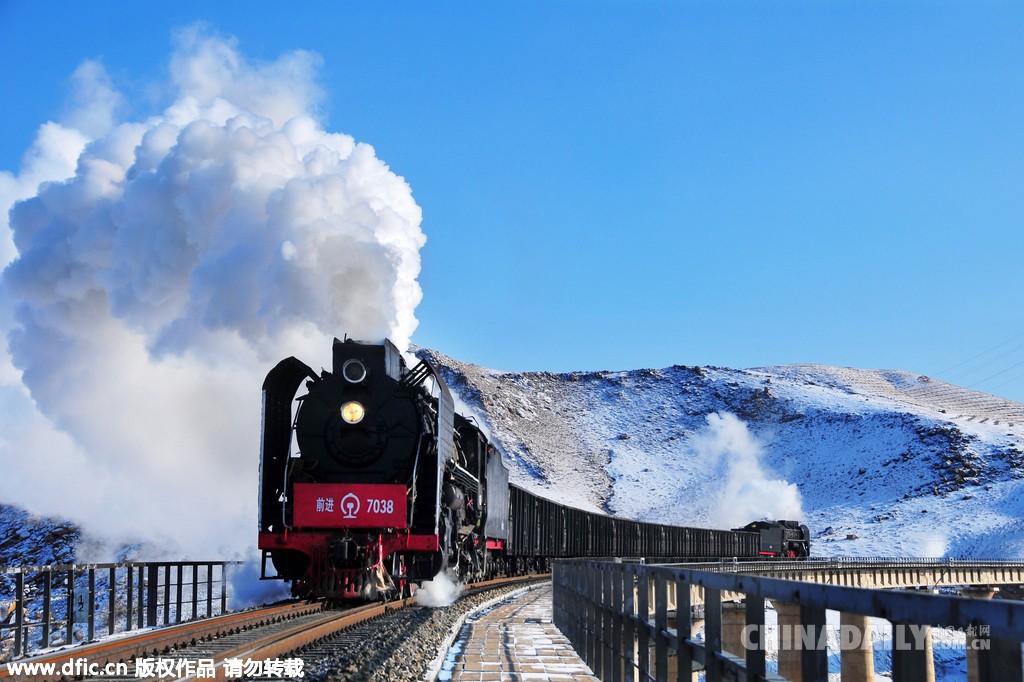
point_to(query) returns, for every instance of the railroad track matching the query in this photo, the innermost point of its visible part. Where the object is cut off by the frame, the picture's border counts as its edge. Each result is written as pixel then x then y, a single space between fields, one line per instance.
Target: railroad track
pixel 401 645
pixel 241 642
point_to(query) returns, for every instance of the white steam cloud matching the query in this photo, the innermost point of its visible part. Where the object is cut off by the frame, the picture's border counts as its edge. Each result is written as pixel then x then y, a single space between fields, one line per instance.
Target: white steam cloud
pixel 157 269
pixel 443 590
pixel 749 493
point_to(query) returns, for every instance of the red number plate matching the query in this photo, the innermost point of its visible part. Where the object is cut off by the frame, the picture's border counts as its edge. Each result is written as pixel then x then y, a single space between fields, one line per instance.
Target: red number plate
pixel 349 505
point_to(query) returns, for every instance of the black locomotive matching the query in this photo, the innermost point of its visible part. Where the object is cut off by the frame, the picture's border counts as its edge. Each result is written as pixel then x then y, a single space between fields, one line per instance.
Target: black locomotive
pixel 377 482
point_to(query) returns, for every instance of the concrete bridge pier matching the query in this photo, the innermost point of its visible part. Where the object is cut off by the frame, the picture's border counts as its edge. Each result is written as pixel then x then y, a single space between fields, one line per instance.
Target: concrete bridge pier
pixel 789 646
pixel 856 654
pixel 857 662
pixel 734 619
pixel 910 659
pixel 975 592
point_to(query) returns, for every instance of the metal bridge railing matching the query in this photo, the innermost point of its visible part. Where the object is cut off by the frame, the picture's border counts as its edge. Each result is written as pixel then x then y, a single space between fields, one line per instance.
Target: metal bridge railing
pixel 47 606
pixel 617 617
pixel 743 566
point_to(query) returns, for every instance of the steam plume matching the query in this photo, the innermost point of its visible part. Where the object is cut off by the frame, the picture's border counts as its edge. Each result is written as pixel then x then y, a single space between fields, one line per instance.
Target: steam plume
pixel 749 493
pixel 158 268
pixel 443 590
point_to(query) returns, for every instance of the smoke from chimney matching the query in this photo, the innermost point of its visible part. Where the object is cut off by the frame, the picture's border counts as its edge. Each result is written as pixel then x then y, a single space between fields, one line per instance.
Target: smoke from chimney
pixel 157 268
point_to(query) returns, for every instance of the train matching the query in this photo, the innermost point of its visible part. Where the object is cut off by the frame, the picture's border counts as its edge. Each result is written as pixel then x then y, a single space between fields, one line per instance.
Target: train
pixel 371 482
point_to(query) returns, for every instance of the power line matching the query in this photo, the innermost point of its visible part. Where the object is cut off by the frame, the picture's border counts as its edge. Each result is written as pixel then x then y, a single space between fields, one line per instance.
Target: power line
pixel 986 352
pixel 997 374
pixel 1016 377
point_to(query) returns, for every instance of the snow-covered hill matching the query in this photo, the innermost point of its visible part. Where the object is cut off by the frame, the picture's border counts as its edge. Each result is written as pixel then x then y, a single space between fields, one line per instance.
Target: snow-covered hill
pixel 26 540
pixel 879 463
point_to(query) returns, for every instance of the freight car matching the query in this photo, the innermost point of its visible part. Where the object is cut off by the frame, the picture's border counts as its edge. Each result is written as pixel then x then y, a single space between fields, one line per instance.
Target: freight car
pixel 377 482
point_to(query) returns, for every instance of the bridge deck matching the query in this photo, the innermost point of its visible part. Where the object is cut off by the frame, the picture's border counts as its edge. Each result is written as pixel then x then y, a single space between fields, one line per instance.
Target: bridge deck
pixel 515 640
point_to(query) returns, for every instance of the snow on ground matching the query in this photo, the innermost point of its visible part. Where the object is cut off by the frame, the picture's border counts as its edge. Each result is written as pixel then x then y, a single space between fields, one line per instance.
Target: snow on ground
pixel 884 463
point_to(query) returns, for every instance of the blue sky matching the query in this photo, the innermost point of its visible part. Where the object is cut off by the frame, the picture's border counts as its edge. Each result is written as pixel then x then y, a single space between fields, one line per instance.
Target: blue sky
pixel 612 185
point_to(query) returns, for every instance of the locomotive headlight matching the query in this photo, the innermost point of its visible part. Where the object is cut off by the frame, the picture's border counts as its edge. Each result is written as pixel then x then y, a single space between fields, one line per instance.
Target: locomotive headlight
pixel 353 412
pixel 354 371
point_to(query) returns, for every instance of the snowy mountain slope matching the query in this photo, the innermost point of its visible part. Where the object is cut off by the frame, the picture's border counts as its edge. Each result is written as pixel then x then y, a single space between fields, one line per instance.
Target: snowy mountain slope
pixel 883 462
pixel 26 540
pixel 908 465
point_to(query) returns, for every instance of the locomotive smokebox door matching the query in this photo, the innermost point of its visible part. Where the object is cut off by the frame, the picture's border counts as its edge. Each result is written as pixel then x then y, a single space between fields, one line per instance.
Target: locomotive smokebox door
pixel 771 540
pixel 496 525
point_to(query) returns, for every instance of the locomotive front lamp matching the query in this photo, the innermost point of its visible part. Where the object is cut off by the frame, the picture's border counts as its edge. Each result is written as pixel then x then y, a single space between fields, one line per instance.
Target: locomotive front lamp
pixel 353 412
pixel 354 371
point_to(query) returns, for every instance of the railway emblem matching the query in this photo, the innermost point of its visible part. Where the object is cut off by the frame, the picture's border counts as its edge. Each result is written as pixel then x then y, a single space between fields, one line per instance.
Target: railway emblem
pixel 349 506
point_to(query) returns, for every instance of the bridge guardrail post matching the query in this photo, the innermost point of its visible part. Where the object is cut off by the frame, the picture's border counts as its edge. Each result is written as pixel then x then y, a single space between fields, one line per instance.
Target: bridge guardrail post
pixel 712 634
pixel 111 598
pixel 19 610
pixel 209 590
pixel 755 654
pixel 152 594
pixel 195 590
pixel 593 646
pixel 628 651
pixel 581 590
pixel 223 588
pixel 574 605
pixel 178 593
pixel 597 650
pixel 69 635
pixel 44 637
pixel 643 646
pixel 617 605
pixel 577 618
pixel 684 632
pixel 592 617
pixel 608 622
pixel 660 628
pixel 91 627
pixel 167 594
pixel 140 594
pixel 129 597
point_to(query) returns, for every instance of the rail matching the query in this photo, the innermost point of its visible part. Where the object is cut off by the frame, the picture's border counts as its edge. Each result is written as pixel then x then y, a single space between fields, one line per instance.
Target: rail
pixel 616 615
pixel 46 606
pixel 201 647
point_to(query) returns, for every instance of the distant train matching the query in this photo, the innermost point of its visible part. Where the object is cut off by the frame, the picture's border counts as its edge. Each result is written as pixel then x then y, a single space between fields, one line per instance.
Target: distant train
pixel 377 483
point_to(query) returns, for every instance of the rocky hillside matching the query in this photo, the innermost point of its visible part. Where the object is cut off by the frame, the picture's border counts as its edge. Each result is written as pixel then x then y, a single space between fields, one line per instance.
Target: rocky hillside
pixel 27 540
pixel 877 462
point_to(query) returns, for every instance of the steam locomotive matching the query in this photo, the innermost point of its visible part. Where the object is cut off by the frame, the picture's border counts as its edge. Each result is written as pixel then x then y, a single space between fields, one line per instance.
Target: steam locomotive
pixel 377 482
